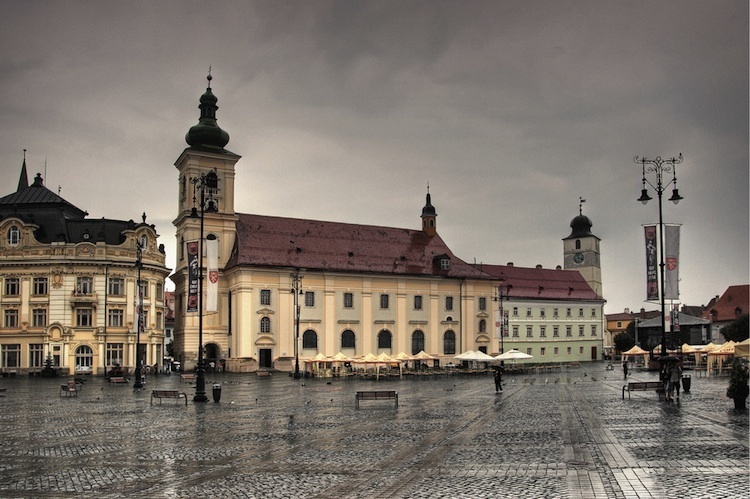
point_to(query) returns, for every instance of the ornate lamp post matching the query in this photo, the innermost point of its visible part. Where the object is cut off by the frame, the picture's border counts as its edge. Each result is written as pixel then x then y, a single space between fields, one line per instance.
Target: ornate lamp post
pixel 206 183
pixel 296 281
pixel 659 167
pixel 503 317
pixel 138 383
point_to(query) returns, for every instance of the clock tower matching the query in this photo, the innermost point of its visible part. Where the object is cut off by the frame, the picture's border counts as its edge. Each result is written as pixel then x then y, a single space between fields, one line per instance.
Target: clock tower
pixel 581 251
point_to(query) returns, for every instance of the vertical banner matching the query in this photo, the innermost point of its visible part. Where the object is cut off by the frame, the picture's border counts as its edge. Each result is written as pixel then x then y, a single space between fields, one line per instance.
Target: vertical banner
pixel 192 267
pixel 672 251
pixel 676 319
pixel 497 318
pixel 652 285
pixel 212 288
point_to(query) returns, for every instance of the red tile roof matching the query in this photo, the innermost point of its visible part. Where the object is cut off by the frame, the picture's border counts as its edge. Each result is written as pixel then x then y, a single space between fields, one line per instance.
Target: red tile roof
pixel 268 241
pixel 734 302
pixel 538 283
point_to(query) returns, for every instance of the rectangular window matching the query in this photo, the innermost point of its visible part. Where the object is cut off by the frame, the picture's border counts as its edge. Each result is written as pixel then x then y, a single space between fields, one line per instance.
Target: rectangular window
pixel 445 264
pixel 556 331
pixel 115 317
pixel 528 311
pixel 36 355
pixel 265 297
pixel 568 312
pixel 543 331
pixel 515 331
pixel 39 317
pixel 84 317
pixel 580 312
pixel 41 287
pixel 85 286
pixel 580 350
pixel 542 351
pixel 12 355
pixel 159 291
pixel 12 286
pixel 11 319
pixel 114 353
pixel 593 312
pixel 593 330
pixel 528 351
pixel 557 350
pixel 143 287
pixel 555 312
pixel 541 312
pixel 384 301
pixel 116 286
pixel 528 331
pixel 417 302
pixel 569 331
pixel 448 303
pixel 569 350
pixel 309 298
pixel 619 325
pixel 348 300
pixel 482 303
pixel 515 311
pixel 159 320
pixel 580 330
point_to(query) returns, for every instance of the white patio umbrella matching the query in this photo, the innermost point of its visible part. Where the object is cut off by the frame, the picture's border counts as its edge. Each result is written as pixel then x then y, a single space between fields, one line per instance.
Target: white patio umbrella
pixel 513 355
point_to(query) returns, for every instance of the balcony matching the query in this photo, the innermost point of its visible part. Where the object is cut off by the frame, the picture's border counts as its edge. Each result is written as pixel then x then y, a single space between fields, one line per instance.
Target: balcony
pixel 78 299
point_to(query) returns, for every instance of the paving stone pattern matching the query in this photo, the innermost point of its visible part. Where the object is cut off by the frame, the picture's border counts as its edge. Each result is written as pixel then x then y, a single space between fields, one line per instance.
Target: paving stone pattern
pixel 565 435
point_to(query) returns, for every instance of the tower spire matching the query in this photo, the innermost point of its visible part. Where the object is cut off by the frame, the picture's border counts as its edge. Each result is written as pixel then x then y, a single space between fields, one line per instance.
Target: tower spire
pixel 23 181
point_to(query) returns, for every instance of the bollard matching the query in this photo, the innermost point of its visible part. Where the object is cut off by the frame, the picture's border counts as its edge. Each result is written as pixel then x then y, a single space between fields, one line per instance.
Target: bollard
pixel 217 392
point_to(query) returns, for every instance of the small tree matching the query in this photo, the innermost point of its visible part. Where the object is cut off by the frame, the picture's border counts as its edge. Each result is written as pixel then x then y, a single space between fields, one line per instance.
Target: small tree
pixel 623 342
pixel 737 330
pixel 738 388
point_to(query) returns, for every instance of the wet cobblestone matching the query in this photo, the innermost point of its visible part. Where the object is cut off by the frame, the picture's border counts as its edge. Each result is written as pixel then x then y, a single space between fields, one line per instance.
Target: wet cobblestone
pixel 559 436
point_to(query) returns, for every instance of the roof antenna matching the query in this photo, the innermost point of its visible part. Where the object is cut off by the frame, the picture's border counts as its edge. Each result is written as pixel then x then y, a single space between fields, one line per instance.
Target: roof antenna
pixel 580 205
pixel 209 77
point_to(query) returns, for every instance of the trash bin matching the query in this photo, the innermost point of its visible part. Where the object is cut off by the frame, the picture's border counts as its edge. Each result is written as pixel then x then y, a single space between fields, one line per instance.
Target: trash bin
pixel 686 383
pixel 217 392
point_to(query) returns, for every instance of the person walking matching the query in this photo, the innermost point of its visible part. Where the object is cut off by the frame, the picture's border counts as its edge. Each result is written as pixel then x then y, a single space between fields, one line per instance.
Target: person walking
pixel 499 379
pixel 625 368
pixel 675 376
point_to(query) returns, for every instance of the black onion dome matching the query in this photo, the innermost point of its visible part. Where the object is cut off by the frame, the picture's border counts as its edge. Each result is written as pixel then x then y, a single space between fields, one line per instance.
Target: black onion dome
pixel 207 132
pixel 581 226
pixel 428 208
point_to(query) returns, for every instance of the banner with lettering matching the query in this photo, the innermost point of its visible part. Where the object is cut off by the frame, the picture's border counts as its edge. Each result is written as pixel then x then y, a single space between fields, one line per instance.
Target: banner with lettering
pixel 193 275
pixel 652 282
pixel 212 287
pixel 672 267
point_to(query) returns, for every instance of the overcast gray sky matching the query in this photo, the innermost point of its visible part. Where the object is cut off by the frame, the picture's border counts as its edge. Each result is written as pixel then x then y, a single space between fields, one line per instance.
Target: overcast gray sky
pixel 345 111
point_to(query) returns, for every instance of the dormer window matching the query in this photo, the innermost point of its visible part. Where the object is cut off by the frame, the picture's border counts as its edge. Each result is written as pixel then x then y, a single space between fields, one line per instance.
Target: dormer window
pixel 445 264
pixel 14 236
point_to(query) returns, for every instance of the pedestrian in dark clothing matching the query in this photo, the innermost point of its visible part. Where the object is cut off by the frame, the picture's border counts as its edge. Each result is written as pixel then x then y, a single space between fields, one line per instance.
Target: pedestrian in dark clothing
pixel 499 379
pixel 625 368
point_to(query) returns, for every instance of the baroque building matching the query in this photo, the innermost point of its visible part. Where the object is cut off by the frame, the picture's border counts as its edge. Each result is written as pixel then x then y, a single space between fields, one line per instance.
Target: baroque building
pixel 292 288
pixel 69 286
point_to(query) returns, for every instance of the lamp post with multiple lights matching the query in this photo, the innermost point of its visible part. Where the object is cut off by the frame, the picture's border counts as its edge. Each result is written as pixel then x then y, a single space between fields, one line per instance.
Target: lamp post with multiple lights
pixel 296 282
pixel 206 183
pixel 138 383
pixel 659 167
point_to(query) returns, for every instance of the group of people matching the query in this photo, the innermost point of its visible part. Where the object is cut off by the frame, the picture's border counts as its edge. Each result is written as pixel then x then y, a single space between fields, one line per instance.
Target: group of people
pixel 671 375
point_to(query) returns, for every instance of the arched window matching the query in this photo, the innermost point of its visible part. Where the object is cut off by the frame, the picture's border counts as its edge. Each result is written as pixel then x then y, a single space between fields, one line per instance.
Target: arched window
pixel 578 244
pixel 14 236
pixel 417 342
pixel 449 342
pixel 265 325
pixel 482 326
pixel 384 339
pixel 347 339
pixel 310 339
pixel 84 357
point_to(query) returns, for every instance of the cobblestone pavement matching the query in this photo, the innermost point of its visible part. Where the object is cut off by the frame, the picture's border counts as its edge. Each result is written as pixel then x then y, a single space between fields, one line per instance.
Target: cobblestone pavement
pixel 558 435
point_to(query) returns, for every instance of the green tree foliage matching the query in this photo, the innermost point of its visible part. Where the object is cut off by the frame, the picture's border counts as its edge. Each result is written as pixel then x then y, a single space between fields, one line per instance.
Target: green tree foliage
pixel 738 387
pixel 623 342
pixel 738 330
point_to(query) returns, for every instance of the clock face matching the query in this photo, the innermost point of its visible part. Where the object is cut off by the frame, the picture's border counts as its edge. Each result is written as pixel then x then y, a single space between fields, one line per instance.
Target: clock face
pixel 578 258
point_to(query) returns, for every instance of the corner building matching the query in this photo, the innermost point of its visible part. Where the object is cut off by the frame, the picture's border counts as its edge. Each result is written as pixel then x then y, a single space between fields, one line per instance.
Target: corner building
pixel 70 286
pixel 358 289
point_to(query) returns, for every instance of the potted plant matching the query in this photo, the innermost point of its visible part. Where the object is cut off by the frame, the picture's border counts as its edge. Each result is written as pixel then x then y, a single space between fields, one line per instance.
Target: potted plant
pixel 738 388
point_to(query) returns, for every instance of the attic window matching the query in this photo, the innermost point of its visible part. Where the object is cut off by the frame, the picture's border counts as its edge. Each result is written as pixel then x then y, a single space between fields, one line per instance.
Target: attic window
pixel 445 264
pixel 14 236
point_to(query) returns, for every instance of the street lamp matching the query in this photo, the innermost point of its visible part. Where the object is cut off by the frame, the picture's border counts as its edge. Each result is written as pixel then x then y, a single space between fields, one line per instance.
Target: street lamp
pixel 296 282
pixel 660 166
pixel 503 322
pixel 138 383
pixel 206 182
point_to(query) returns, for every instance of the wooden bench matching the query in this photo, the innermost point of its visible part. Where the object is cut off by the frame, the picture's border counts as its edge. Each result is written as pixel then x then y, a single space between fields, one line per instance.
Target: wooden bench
pixel 377 395
pixel 118 380
pixel 167 394
pixel 657 386
pixel 187 378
